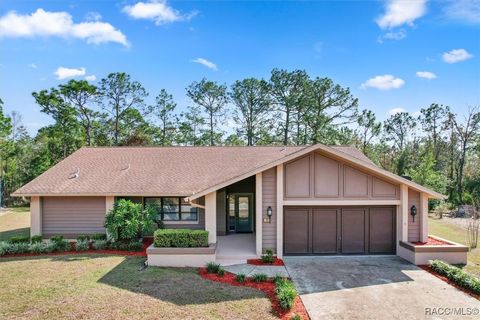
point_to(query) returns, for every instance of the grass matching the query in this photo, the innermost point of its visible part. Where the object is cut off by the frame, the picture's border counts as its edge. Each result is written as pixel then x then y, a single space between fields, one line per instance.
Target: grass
pixel 446 230
pixel 14 222
pixel 116 287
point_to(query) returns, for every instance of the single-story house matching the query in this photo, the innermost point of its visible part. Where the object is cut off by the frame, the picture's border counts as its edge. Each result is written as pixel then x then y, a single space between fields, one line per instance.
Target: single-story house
pixel 295 200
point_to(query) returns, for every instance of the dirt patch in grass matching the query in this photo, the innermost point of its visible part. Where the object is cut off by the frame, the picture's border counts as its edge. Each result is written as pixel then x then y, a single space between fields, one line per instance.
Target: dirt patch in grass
pixel 117 287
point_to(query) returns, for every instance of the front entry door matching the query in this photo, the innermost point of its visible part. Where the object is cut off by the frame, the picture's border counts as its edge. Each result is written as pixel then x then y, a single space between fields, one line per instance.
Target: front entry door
pixel 240 212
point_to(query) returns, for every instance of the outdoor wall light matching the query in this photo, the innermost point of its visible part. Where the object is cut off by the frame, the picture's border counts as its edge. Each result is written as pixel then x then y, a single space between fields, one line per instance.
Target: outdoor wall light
pixel 413 212
pixel 269 214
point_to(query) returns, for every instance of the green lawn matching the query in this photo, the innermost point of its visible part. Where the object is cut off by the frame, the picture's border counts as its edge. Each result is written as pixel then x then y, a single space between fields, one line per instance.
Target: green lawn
pixel 116 287
pixel 15 222
pixel 444 229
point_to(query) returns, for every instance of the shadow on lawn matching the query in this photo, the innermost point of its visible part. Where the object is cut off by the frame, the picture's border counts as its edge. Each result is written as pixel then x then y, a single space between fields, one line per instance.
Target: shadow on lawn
pixel 6 235
pixel 180 286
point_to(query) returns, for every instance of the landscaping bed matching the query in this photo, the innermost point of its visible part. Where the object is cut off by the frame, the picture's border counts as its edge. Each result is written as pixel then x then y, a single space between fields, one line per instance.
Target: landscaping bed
pixel 260 262
pixel 433 241
pixel 268 286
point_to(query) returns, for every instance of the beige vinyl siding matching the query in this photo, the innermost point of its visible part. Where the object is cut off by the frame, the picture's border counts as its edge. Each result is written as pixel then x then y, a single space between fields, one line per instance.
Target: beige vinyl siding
pixel 269 197
pixel 414 227
pixel 71 216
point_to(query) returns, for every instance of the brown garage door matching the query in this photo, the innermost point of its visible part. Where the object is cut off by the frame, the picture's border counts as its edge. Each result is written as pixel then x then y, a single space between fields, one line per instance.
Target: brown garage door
pixel 339 230
pixel 71 216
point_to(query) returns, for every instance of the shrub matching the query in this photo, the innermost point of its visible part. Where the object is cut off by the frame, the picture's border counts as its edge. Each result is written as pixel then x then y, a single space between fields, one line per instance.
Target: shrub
pixel 56 238
pixel 4 248
pixel 20 239
pixel 240 278
pixel 50 247
pixel 286 293
pixel 180 238
pixel 60 244
pixel 295 317
pixel 259 277
pixel 98 236
pixel 457 275
pixel 213 267
pixel 82 237
pixel 278 278
pixel 221 272
pixel 135 246
pixel 38 247
pixel 119 245
pixel 127 220
pixel 82 245
pixel 36 239
pixel 20 247
pixel 100 244
pixel 268 256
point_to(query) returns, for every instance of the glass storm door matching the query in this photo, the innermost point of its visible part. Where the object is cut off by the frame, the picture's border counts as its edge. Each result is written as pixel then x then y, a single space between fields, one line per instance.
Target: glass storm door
pixel 240 212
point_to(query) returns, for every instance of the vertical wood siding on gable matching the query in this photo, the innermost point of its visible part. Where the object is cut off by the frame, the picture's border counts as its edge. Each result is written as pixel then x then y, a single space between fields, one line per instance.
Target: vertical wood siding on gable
pixel 414 227
pixel 316 176
pixel 269 198
pixel 221 212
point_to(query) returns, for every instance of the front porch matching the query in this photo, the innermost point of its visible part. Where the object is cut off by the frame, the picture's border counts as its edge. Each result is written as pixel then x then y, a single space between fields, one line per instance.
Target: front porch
pixel 235 248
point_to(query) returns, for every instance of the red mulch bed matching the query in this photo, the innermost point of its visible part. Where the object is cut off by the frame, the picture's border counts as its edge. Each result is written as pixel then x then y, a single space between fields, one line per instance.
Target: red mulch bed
pixel 259 262
pixel 450 282
pixel 267 287
pixel 432 242
pixel 146 242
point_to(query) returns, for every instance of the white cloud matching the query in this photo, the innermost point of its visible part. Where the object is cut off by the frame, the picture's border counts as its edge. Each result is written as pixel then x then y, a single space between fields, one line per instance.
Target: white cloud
pixel 206 63
pixel 394 35
pixel 426 75
pixel 456 55
pixel 64 73
pixel 156 10
pixel 463 10
pixel 384 82
pixel 33 66
pixel 400 12
pixel 395 111
pixel 43 23
pixel 91 77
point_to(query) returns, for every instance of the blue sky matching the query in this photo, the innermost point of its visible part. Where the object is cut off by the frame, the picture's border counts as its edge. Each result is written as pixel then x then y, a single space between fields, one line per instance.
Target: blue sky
pixel 394 55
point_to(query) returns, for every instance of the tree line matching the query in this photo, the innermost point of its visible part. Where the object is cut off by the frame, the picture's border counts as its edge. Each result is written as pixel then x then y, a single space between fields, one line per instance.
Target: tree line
pixel 437 148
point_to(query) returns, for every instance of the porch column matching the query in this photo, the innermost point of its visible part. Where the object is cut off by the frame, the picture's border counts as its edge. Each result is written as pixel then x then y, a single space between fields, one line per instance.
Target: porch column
pixel 35 216
pixel 258 213
pixel 109 200
pixel 403 228
pixel 280 211
pixel 423 217
pixel 211 216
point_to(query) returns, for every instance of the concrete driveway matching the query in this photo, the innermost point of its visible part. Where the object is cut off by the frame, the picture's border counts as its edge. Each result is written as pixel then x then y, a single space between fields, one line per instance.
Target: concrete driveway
pixel 374 287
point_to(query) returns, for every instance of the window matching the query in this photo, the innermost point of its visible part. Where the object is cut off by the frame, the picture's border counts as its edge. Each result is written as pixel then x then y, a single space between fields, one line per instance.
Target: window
pixel 173 209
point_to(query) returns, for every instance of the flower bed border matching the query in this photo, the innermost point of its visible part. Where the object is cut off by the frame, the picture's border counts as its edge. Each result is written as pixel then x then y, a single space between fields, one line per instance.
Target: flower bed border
pixel 259 262
pixel 267 287
pixel 450 282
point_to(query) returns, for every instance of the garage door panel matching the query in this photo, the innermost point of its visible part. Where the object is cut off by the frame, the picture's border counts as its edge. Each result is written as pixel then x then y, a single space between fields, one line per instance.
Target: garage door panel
pixel 381 230
pixel 324 231
pixel 71 216
pixel 296 231
pixel 353 230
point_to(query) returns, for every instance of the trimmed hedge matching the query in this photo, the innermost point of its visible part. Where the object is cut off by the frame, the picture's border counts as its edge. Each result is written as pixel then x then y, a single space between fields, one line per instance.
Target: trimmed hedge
pixel 20 239
pixel 457 275
pixel 180 238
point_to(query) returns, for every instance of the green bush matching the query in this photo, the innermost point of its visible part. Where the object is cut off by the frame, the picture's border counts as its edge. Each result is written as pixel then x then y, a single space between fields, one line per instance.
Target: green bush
pixel 56 238
pixel 119 245
pixel 259 277
pixel 38 247
pixel 213 267
pixel 240 278
pixel 4 248
pixel 100 244
pixel 180 238
pixel 268 256
pixel 128 220
pixel 50 247
pixel 295 317
pixel 221 272
pixel 36 239
pixel 20 239
pixel 20 247
pixel 286 293
pixel 457 275
pixel 82 245
pixel 98 236
pixel 82 237
pixel 135 246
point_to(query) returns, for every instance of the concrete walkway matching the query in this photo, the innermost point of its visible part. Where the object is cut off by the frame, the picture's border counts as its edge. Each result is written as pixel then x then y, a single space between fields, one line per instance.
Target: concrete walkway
pixel 374 287
pixel 249 270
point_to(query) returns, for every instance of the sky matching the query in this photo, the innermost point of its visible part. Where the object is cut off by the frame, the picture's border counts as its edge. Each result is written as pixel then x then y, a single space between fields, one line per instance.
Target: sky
pixel 394 55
